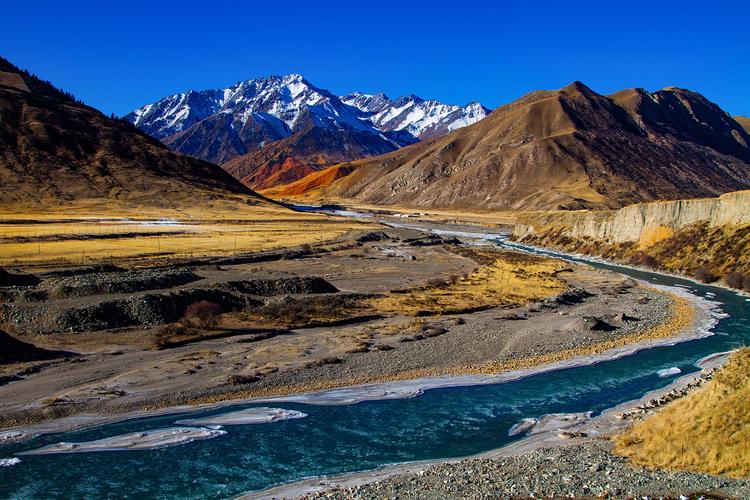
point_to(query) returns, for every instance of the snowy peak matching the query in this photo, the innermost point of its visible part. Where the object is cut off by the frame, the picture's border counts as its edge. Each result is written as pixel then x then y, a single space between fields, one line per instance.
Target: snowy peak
pixel 220 124
pixel 280 97
pixel 419 117
pixel 369 103
pixel 176 112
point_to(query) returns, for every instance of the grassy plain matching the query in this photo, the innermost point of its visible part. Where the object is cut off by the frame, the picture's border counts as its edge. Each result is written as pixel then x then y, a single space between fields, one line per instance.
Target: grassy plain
pixel 707 431
pixel 39 239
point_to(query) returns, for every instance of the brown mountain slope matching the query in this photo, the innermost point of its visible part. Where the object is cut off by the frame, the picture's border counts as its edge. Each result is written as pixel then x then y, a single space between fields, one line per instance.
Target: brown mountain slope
pixel 302 153
pixel 744 121
pixel 569 148
pixel 56 151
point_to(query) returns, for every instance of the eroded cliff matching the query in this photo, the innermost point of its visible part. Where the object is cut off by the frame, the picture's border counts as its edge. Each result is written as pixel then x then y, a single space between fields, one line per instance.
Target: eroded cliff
pixel 709 237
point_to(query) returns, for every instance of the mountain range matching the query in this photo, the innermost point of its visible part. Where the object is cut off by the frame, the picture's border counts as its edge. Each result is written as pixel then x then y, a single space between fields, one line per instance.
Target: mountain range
pixel 56 151
pixel 273 130
pixel 570 148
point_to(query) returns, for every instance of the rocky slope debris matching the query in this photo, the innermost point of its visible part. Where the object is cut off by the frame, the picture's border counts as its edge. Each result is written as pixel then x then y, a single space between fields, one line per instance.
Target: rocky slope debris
pixel 580 471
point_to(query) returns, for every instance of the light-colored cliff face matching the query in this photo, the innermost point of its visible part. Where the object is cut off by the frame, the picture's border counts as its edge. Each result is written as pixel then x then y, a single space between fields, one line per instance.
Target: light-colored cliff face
pixel 643 222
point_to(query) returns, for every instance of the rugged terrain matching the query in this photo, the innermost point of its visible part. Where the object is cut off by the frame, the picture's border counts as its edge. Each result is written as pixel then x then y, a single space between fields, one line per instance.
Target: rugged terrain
pixel 565 149
pixel 707 238
pixel 677 442
pixel 376 306
pixel 275 130
pixel 55 151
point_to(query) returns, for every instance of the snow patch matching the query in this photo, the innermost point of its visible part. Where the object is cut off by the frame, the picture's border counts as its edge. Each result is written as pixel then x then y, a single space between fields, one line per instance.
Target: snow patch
pixel 669 372
pixel 147 440
pixel 261 415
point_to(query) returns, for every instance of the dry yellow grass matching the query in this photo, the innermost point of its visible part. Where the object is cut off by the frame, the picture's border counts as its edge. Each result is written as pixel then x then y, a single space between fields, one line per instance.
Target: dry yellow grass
pixel 707 431
pixel 54 239
pixel 504 279
pixel 654 235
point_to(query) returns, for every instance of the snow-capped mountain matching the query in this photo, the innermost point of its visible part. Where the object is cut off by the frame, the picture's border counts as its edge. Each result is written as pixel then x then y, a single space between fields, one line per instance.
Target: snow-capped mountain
pixel 419 117
pixel 218 125
pixel 270 122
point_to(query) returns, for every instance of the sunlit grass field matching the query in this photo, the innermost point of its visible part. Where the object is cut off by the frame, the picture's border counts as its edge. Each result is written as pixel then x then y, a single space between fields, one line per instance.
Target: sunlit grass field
pixel 504 279
pixel 707 431
pixel 45 239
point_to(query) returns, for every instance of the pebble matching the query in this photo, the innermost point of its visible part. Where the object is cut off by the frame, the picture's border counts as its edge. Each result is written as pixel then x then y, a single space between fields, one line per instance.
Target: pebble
pixel 587 469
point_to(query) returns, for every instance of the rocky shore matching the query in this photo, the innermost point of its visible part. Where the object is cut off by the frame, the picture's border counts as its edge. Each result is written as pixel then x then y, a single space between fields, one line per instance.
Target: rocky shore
pixel 580 470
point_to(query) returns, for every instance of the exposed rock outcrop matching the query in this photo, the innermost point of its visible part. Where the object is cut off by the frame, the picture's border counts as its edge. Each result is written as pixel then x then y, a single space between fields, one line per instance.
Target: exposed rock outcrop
pixel 705 238
pixel 643 222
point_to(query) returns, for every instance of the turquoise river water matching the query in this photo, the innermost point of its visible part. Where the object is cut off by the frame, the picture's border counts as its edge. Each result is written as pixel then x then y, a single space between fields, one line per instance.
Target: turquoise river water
pixel 440 423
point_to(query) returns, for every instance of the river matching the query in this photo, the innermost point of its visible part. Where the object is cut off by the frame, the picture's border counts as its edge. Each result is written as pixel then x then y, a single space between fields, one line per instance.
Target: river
pixel 334 438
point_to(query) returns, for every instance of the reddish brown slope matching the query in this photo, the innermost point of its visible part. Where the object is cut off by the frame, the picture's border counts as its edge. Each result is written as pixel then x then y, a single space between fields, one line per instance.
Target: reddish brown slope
pixel 302 153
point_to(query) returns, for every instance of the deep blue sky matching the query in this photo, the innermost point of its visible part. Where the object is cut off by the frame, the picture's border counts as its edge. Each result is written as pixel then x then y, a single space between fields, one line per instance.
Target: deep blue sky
pixel 118 57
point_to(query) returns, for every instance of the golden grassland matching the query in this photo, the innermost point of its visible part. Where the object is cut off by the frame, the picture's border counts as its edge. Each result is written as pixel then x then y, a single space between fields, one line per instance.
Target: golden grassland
pixel 707 431
pixel 38 239
pixel 681 317
pixel 500 281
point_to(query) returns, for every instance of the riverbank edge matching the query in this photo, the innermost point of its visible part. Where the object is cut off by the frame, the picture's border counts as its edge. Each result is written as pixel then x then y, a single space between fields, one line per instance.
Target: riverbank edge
pixel 605 424
pixel 411 384
pixel 507 243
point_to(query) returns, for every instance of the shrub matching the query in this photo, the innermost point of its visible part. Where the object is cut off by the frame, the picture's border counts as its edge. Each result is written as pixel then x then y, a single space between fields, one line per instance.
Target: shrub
pixel 435 282
pixel 305 311
pixel 202 314
pixel 643 259
pixel 704 275
pixel 170 334
pixel 738 280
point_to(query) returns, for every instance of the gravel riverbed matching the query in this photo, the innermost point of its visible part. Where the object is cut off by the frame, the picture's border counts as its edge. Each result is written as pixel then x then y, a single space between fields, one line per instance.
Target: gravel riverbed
pixel 580 470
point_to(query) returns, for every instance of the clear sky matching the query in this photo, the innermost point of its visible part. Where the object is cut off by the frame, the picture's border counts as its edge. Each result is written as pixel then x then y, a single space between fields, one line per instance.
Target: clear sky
pixel 117 56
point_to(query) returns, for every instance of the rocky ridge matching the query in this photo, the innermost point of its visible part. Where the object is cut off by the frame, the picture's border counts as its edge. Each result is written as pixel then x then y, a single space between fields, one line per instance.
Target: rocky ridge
pixel 275 130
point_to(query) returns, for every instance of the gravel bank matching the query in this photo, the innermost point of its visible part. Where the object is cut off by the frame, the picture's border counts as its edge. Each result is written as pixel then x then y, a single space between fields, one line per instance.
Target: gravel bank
pixel 581 470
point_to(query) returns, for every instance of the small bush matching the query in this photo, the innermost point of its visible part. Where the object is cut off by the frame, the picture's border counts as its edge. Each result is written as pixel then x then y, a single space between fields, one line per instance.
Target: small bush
pixel 167 335
pixel 435 282
pixel 643 259
pixel 704 275
pixel 738 280
pixel 202 314
pixel 309 310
